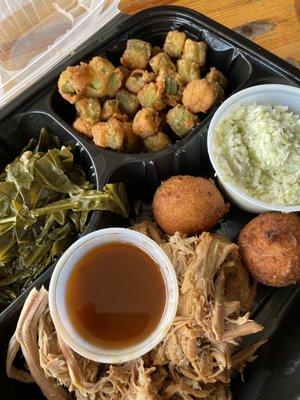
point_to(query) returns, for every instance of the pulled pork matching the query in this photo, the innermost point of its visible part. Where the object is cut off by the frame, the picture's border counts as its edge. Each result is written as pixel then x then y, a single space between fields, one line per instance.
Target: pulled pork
pixel 195 359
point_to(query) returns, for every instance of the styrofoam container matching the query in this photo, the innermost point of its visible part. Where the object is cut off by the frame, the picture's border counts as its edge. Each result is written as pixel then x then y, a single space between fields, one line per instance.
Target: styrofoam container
pixel 274 94
pixel 60 277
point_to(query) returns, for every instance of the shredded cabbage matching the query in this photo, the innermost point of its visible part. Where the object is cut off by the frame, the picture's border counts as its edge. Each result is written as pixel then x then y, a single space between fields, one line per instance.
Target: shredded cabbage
pixel 257 149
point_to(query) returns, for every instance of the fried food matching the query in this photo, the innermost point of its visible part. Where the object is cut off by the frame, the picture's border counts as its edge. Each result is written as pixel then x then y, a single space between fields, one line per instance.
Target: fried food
pixel 109 109
pixel 270 248
pixel 132 143
pixel 72 82
pixel 157 142
pixel 88 113
pixel 181 120
pixel 146 123
pixel 150 96
pixel 161 60
pixel 128 102
pixel 155 50
pixel 174 43
pixel 138 79
pixel 216 76
pixel 122 91
pixel 171 85
pixel 84 126
pixel 136 54
pixel 115 82
pixel 200 95
pixel 195 51
pixel 188 205
pixel 101 70
pixel 109 134
pixel 188 70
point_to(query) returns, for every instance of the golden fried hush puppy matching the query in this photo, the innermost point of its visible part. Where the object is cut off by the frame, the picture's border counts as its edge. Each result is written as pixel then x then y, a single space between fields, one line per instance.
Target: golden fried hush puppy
pixel 146 123
pixel 109 134
pixel 171 85
pixel 270 248
pixel 157 142
pixel 161 60
pixel 72 82
pixel 195 51
pixel 188 205
pixel 216 76
pixel 174 43
pixel 188 70
pixel 101 70
pixel 138 79
pixel 200 95
pixel 150 96
pixel 181 120
pixel 128 102
pixel 136 54
pixel 88 113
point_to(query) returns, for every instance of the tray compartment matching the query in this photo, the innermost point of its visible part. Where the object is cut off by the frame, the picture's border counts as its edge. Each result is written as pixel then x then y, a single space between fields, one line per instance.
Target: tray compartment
pixel 15 134
pixel 220 54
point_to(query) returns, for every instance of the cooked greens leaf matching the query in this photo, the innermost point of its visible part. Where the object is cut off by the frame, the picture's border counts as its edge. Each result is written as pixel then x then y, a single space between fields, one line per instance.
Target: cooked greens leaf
pixel 45 200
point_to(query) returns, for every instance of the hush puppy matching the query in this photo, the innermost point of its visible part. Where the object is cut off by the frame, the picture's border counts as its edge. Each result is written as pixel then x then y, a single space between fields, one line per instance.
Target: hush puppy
pixel 188 205
pixel 270 248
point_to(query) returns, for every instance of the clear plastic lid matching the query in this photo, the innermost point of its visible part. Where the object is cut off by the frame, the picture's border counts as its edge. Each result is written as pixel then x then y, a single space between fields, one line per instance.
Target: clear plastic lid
pixel 36 34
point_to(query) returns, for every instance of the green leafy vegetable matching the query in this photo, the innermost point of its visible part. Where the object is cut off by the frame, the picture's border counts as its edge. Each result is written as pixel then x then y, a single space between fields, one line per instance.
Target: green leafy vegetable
pixel 45 200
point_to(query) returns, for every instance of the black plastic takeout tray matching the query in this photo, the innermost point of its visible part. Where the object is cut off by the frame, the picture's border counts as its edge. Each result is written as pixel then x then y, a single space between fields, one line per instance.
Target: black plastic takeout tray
pixel 275 374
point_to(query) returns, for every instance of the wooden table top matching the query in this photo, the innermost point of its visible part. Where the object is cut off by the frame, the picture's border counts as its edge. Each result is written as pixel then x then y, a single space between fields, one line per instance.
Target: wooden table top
pixel 273 24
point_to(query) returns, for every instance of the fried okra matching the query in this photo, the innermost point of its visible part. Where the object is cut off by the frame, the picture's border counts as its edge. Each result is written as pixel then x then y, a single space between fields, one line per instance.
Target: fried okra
pixel 200 95
pixel 174 43
pixel 188 70
pixel 88 107
pixel 88 113
pixel 110 108
pixel 194 51
pixel 126 73
pixel 138 79
pixel 128 102
pixel 102 70
pixel 161 60
pixel 157 142
pixel 132 143
pixel 146 123
pixel 150 96
pixel 155 50
pixel 84 126
pixel 72 82
pixel 181 120
pixel 114 82
pixel 109 134
pixel 171 85
pixel 136 54
pixel 216 76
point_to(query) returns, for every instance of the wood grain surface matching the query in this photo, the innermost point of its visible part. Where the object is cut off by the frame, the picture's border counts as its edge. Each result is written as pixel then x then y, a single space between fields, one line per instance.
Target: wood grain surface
pixel 273 24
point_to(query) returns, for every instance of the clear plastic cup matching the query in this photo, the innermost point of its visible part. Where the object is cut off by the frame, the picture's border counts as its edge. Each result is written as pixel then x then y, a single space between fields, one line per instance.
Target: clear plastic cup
pixel 58 285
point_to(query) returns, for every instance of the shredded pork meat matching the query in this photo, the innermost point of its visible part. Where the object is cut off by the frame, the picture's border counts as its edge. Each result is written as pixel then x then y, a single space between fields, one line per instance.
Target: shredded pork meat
pixel 195 359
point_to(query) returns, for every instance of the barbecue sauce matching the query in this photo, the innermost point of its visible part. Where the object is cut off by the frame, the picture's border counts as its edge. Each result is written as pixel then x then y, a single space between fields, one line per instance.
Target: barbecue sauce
pixel 115 295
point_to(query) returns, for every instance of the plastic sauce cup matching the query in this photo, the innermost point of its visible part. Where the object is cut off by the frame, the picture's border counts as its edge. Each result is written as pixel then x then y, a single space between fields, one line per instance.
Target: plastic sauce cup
pixel 58 285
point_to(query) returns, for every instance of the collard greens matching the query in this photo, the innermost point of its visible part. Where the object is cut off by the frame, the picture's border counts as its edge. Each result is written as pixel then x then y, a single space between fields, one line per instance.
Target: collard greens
pixel 45 200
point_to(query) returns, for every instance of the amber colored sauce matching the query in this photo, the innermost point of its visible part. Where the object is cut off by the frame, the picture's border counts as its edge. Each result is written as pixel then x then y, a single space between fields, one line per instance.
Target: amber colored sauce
pixel 115 295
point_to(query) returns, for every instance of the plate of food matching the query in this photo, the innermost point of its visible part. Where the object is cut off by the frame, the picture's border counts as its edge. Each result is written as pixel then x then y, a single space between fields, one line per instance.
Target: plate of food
pixel 135 263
